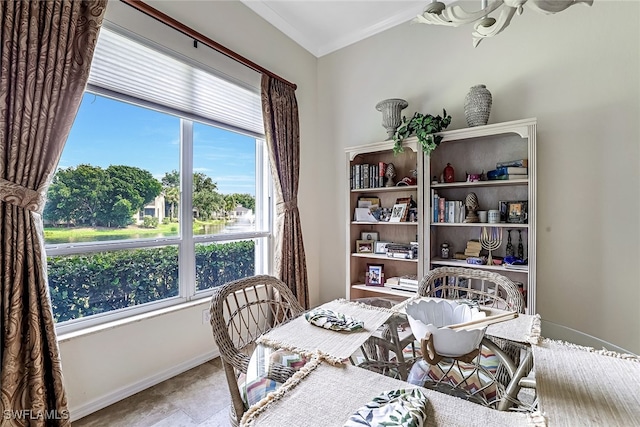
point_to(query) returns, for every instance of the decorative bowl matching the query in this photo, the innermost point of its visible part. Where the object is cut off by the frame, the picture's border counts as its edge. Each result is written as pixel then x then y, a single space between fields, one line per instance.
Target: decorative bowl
pixel 432 315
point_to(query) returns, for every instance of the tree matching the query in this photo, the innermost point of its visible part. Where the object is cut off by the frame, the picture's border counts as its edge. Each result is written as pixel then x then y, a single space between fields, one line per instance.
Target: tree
pixel 76 195
pixel 121 213
pixel 134 184
pixel 246 200
pixel 205 197
pixel 90 195
pixel 171 189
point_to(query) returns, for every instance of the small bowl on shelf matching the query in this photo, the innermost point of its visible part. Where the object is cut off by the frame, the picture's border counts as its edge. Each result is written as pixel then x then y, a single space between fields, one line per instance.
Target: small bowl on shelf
pixel 435 315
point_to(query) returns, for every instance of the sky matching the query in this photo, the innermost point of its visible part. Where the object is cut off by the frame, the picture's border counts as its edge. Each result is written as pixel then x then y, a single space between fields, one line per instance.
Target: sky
pixel 108 132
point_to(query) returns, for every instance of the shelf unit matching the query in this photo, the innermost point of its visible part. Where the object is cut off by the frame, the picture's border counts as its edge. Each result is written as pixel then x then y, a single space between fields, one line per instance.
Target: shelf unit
pixel 397 232
pixel 477 150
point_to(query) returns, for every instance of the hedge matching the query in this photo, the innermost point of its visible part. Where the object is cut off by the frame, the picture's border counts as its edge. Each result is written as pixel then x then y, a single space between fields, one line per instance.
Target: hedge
pixel 83 285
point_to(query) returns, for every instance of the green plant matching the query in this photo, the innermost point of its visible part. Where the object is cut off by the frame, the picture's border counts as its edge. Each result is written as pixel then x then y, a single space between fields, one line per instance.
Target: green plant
pixel 423 126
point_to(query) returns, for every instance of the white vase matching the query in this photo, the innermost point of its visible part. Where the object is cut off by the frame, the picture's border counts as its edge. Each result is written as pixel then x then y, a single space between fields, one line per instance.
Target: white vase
pixel 477 106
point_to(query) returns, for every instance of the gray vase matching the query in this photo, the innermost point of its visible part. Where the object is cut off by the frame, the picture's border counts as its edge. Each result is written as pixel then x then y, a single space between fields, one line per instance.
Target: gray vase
pixel 477 106
pixel 391 117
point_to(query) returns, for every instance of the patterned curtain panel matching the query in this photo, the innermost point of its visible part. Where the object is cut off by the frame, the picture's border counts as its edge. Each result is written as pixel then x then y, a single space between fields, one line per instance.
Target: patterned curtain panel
pixel 282 129
pixel 46 51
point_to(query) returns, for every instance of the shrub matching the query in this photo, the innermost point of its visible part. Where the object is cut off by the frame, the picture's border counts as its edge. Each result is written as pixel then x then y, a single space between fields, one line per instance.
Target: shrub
pixel 83 285
pixel 149 221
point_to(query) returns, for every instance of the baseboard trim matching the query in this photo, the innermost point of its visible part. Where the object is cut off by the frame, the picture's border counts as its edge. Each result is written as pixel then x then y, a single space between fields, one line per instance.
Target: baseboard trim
pixel 122 393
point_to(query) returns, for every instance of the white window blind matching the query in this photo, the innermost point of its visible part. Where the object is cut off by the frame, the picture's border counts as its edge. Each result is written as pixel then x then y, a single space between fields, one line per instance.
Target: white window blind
pixel 126 66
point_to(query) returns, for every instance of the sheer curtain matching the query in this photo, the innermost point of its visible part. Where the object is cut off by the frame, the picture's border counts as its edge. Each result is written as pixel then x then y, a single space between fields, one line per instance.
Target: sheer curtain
pixel 46 51
pixel 282 130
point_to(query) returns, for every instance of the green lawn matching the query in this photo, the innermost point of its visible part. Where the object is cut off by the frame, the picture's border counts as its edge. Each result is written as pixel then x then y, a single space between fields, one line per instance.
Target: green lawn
pixel 89 234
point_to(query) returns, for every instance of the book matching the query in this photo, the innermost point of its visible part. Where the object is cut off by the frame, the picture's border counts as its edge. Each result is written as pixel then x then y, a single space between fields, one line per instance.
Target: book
pixel 451 211
pixel 518 163
pixel 507 177
pixel 507 170
pixel 365 175
pixel 441 206
pixel 435 203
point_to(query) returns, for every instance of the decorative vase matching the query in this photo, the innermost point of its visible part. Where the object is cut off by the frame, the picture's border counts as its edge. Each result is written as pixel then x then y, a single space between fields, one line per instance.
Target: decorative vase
pixel 449 174
pixel 477 105
pixel 391 109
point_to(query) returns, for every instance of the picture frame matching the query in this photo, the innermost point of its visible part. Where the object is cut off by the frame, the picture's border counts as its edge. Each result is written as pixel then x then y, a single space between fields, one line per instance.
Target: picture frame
pixel 517 212
pixel 374 275
pixel 410 204
pixel 369 235
pixel 364 246
pixel 385 214
pixel 368 202
pixel 398 212
pixel 380 247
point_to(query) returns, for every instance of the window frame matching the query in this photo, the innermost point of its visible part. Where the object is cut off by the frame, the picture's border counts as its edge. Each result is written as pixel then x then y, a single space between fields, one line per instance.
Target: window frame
pixel 186 241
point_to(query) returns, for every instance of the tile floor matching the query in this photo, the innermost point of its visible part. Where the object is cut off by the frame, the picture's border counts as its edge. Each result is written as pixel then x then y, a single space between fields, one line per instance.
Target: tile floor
pixel 198 397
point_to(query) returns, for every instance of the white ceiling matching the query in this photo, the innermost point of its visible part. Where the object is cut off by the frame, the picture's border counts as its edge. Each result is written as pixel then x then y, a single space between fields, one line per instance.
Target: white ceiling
pixel 323 26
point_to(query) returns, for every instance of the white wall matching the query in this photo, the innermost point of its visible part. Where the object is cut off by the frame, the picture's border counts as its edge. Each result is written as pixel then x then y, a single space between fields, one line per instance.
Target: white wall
pixel 103 367
pixel 578 73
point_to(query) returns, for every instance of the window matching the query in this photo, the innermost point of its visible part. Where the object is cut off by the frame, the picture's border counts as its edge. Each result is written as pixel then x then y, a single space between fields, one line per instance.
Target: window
pixel 154 205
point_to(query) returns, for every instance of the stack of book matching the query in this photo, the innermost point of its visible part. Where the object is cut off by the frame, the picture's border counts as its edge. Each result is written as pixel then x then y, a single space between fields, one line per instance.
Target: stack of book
pixel 401 250
pixel 513 169
pixel 473 248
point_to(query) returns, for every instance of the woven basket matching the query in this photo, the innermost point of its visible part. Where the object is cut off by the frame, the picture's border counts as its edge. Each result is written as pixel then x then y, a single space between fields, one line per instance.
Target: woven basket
pixel 477 106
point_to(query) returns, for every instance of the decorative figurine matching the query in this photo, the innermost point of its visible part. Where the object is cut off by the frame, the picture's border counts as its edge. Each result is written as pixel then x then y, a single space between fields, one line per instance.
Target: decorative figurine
pixel 390 173
pixel 444 250
pixel 472 205
pixel 449 175
pixel 475 177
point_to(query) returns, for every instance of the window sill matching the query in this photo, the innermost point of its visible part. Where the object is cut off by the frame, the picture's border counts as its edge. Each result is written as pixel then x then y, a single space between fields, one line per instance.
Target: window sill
pixel 132 319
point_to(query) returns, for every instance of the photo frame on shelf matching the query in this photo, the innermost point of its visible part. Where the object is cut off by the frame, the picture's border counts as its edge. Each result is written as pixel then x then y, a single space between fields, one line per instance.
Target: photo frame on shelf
pixel 368 202
pixel 364 246
pixel 398 212
pixel 517 212
pixel 385 214
pixel 374 275
pixel 369 235
pixel 410 204
pixel 380 247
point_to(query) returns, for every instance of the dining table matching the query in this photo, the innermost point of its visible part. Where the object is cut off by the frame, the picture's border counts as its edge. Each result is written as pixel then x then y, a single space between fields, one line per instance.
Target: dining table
pixel 328 389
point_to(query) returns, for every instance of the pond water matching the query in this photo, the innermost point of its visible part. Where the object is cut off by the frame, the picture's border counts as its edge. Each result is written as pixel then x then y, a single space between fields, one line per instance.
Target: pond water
pixel 219 228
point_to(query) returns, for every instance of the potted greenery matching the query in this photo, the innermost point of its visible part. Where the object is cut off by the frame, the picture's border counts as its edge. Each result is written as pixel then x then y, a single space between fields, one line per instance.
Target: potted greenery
pixel 423 126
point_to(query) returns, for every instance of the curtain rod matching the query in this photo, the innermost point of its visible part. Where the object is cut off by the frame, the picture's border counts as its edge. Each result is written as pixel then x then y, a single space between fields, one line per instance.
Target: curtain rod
pixel 190 32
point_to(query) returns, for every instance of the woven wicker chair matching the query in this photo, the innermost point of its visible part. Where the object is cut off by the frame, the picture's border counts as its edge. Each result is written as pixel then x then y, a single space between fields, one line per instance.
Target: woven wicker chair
pixel 490 289
pixel 494 290
pixel 241 311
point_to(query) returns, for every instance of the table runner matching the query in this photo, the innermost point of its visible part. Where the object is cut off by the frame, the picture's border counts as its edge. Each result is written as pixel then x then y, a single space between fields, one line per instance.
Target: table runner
pixel 302 337
pixel 580 386
pixel 325 395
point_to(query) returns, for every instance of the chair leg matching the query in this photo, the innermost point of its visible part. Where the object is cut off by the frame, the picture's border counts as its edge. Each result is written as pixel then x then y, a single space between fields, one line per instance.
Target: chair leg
pixel 237 405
